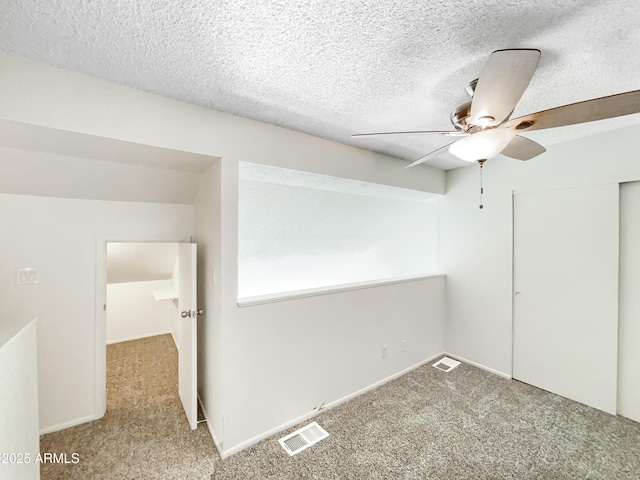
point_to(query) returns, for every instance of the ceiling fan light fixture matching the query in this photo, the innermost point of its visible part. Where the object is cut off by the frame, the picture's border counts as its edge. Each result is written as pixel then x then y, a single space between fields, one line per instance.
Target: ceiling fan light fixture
pixel 485 120
pixel 482 145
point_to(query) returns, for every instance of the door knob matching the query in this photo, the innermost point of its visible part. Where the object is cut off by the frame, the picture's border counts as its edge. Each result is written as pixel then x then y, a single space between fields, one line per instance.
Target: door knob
pixel 518 294
pixel 185 314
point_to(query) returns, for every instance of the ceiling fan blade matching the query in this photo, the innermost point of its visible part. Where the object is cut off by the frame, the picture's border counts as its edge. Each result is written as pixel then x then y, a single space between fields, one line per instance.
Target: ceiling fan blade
pixel 522 148
pixel 441 132
pixel 429 156
pixel 504 79
pixel 581 112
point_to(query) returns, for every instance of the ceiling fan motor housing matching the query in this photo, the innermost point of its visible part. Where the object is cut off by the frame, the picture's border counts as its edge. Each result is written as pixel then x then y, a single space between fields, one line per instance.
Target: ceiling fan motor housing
pixel 460 117
pixel 486 125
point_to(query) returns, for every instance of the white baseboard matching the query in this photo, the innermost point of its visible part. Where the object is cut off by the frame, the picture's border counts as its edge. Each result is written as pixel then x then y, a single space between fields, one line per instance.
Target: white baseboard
pixel 216 441
pixel 280 428
pixel 138 337
pixel 72 423
pixel 375 385
pixel 273 431
pixel 258 438
pixel 479 365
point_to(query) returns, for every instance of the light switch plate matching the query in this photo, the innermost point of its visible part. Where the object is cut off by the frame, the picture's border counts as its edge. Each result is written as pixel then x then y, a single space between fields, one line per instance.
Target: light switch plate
pixel 27 276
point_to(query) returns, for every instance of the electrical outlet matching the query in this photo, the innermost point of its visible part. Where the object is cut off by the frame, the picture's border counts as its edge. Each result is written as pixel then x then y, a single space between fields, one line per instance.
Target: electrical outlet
pixel 27 276
pixel 384 351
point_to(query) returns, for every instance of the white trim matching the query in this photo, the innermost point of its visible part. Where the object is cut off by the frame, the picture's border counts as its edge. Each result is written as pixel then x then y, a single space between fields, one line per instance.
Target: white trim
pixel 138 337
pixel 313 292
pixel 100 335
pixel 216 442
pixel 273 431
pixel 480 366
pixel 72 423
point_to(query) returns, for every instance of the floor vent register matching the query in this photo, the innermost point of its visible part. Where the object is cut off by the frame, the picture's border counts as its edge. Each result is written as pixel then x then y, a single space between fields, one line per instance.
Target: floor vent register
pixel 303 438
pixel 446 364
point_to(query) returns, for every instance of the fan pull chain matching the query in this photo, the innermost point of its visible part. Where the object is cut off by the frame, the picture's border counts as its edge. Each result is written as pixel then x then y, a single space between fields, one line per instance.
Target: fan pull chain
pixel 481 163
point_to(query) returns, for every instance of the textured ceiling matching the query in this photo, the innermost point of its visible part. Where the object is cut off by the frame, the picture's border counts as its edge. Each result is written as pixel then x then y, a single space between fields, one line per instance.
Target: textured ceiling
pixel 332 68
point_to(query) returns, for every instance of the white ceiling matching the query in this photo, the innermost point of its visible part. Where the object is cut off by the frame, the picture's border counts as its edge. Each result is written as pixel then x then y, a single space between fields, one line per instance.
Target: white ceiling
pixel 140 262
pixel 332 68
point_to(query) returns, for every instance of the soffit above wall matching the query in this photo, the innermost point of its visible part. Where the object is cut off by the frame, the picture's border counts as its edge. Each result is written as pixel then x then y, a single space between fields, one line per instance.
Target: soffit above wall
pixel 94 168
pixel 314 181
pixel 50 140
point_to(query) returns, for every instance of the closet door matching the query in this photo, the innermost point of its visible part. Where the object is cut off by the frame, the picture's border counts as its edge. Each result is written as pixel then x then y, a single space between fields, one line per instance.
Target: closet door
pixel 565 305
pixel 629 345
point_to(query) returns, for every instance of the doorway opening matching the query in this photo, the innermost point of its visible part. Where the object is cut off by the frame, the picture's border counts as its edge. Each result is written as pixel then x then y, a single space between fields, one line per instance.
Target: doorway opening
pixel 141 326
pixel 145 290
pixel 142 291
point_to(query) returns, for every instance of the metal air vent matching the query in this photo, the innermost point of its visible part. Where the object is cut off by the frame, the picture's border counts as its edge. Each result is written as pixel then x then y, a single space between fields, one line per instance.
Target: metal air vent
pixel 446 364
pixel 302 438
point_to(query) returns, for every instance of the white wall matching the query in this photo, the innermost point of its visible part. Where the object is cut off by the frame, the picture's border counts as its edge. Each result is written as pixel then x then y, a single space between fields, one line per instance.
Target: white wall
pixel 42 95
pixel 310 233
pixel 140 261
pixel 477 244
pixel 133 312
pixel 19 430
pixel 58 237
pixel 629 344
pixel 337 337
pixel 207 230
pixel 29 173
pixel 35 93
pixel 286 358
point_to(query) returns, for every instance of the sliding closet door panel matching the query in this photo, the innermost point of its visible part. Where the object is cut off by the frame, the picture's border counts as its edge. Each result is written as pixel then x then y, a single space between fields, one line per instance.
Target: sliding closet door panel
pixel 629 344
pixel 565 305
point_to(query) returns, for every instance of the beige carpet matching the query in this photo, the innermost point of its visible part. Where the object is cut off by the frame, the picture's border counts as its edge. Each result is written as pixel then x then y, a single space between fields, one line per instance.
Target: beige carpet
pixel 428 424
pixel 144 434
pixel 464 424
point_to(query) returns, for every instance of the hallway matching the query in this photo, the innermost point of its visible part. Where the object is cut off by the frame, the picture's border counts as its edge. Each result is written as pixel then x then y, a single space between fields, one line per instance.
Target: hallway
pixel 144 433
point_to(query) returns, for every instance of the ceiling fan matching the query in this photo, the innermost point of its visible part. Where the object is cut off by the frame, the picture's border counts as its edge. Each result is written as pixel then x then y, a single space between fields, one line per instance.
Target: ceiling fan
pixel 485 124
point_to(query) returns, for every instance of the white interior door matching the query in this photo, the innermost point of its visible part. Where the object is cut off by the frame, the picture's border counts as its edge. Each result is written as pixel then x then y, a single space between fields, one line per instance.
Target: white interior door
pixel 565 323
pixel 187 336
pixel 629 344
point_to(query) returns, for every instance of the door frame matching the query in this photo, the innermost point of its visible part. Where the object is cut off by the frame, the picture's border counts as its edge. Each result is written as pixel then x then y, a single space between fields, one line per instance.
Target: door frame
pixel 100 345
